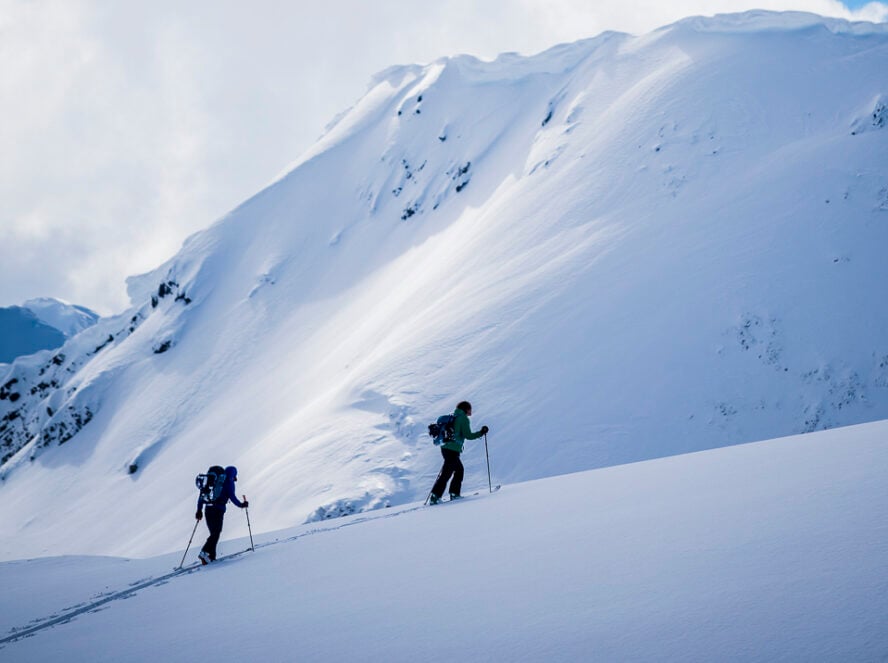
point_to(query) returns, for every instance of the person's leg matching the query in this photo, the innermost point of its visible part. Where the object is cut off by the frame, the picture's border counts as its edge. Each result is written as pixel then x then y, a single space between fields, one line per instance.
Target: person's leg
pixel 458 472
pixel 446 472
pixel 214 518
pixel 206 545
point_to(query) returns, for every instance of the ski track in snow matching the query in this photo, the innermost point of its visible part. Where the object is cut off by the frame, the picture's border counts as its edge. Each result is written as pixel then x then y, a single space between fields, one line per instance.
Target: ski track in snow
pixel 17 633
pixel 27 631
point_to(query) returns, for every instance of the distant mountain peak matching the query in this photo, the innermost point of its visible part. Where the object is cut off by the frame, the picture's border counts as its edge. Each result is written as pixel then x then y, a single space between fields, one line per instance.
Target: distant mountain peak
pixel 67 318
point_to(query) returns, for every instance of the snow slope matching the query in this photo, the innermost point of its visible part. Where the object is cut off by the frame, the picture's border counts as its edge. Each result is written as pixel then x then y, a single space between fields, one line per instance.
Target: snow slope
pixel 619 249
pixel 766 551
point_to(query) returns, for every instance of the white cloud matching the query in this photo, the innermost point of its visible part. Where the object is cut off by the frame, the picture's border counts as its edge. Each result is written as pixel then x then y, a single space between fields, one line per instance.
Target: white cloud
pixel 127 126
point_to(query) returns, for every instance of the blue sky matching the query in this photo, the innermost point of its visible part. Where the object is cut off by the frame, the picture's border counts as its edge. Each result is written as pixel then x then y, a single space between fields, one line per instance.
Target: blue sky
pixel 137 124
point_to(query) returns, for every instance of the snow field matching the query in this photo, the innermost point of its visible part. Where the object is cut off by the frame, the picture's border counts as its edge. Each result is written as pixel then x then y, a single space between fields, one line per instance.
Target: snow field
pixel 766 551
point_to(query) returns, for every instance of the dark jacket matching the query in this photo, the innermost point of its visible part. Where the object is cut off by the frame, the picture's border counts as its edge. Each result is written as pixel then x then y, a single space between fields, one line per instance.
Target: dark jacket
pixel 462 431
pixel 227 493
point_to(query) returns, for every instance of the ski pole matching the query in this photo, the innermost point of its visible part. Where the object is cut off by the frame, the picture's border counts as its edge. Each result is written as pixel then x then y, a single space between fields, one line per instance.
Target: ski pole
pixel 489 483
pixel 249 529
pixel 196 523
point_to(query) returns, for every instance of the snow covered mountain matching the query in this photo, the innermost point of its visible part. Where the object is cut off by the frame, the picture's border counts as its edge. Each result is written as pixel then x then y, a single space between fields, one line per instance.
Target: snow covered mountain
pixel 40 324
pixel 619 249
pixel 70 319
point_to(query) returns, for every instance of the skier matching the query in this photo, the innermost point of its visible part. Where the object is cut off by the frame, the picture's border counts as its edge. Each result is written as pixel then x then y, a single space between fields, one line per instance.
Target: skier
pixel 451 450
pixel 216 513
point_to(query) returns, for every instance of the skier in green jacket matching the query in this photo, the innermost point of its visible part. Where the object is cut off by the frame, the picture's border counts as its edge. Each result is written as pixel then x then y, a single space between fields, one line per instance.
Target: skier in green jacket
pixel 462 431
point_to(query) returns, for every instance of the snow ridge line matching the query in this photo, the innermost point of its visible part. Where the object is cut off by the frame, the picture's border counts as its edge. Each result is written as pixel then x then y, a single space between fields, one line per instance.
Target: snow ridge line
pixel 23 632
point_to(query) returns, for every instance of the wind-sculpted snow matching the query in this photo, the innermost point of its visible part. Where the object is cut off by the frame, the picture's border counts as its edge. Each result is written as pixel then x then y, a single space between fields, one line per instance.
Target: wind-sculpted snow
pixel 619 249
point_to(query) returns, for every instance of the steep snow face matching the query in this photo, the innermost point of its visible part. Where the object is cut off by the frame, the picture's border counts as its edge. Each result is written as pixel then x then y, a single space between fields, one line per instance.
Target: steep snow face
pixel 618 249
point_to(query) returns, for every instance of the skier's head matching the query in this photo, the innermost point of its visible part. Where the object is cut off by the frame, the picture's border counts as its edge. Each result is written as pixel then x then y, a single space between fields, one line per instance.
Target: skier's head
pixel 231 472
pixel 465 406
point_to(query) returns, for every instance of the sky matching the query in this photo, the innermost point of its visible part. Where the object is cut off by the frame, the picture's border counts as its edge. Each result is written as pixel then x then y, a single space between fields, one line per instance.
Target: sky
pixel 125 127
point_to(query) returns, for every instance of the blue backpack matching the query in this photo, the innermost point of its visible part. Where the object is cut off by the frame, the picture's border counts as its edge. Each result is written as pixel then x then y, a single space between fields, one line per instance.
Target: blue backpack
pixel 211 484
pixel 442 430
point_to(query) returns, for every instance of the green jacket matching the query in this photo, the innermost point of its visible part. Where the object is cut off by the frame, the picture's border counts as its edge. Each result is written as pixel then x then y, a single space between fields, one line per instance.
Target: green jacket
pixel 462 431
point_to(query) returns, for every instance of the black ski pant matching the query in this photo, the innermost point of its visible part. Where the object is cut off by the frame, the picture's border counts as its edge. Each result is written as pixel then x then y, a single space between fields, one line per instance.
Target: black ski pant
pixel 452 467
pixel 214 518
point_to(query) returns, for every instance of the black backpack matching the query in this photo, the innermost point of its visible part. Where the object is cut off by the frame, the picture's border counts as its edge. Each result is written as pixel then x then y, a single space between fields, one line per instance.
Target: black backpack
pixel 211 484
pixel 442 430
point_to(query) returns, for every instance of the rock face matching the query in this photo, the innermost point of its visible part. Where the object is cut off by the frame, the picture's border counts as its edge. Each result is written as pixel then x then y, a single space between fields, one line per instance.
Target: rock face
pixel 618 249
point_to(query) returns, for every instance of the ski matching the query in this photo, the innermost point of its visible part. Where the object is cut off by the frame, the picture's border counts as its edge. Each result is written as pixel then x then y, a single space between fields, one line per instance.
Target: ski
pixel 198 564
pixel 477 493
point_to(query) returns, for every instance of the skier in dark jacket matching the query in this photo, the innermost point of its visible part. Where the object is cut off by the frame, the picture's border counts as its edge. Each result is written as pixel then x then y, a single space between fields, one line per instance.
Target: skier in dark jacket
pixel 462 431
pixel 216 513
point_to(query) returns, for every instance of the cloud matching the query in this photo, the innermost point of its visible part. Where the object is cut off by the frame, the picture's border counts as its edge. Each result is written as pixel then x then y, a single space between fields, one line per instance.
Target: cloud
pixel 133 125
pixel 103 152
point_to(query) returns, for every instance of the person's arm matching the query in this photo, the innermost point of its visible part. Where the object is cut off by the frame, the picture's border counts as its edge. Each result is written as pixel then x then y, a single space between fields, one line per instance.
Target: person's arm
pixel 479 433
pixel 466 429
pixel 200 504
pixel 229 488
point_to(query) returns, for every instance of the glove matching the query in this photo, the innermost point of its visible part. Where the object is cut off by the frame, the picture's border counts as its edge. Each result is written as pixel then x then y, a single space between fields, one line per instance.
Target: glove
pixel 484 430
pixel 246 504
pixel 199 515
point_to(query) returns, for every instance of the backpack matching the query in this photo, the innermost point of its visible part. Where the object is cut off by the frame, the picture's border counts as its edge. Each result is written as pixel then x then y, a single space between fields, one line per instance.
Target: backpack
pixel 211 484
pixel 442 430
